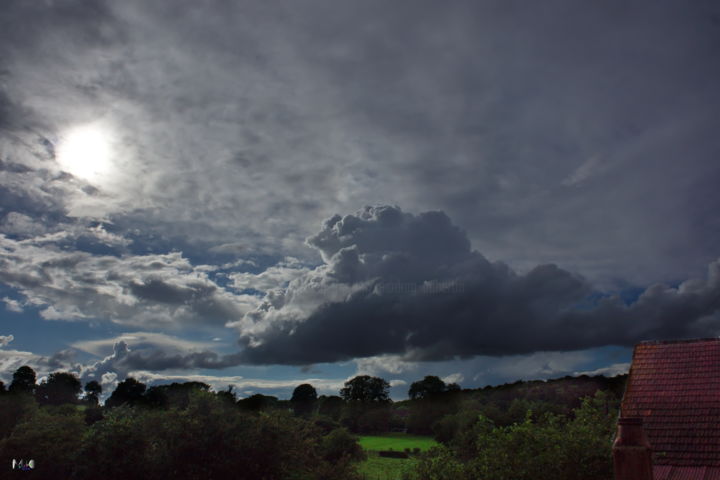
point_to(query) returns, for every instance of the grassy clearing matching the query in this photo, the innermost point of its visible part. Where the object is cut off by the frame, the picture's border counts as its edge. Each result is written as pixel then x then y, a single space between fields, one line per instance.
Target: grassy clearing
pixel 382 468
pixel 396 441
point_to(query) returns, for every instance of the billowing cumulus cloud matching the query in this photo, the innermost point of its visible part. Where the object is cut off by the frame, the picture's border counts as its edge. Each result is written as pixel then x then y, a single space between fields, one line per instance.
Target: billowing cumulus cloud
pixel 11 360
pixel 148 290
pixel 410 285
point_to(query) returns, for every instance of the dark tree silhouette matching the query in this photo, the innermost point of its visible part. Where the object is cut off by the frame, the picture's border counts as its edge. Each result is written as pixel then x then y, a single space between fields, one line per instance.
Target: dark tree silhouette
pixel 366 389
pixel 173 395
pixel 257 402
pixel 427 387
pixel 452 387
pixel 59 388
pixel 228 395
pixel 331 406
pixel 128 391
pixel 23 380
pixel 2 387
pixel 92 392
pixel 303 399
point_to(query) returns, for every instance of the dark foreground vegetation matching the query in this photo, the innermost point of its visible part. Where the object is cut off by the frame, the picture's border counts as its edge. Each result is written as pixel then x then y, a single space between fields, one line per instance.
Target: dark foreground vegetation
pixel 557 429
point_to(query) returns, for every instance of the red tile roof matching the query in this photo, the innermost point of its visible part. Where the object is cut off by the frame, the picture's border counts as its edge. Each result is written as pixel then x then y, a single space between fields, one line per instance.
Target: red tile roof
pixel 675 387
pixel 670 472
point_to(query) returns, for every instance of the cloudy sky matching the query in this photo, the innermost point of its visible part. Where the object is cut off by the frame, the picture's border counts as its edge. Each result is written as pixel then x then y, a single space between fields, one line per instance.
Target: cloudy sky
pixel 262 194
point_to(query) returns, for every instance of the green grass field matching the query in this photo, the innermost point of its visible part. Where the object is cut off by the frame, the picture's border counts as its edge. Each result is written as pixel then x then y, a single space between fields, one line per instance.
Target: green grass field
pixel 396 441
pixel 383 468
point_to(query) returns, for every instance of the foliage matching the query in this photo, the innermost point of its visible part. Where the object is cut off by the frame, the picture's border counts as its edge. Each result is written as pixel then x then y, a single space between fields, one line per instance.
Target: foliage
pixel 303 399
pixel 52 437
pixel 382 468
pixel 374 420
pixel 92 392
pixel 209 438
pixel 23 380
pixel 257 402
pixel 429 410
pixel 331 406
pixel 58 388
pixel 93 414
pixel 13 410
pixel 517 431
pixel 228 395
pixel 552 447
pixel 427 387
pixel 366 389
pixel 129 391
pixel 339 444
pixel 173 395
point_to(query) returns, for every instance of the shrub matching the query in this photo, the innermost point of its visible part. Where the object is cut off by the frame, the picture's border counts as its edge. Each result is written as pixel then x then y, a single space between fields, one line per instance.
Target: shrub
pixel 340 444
pixel 52 440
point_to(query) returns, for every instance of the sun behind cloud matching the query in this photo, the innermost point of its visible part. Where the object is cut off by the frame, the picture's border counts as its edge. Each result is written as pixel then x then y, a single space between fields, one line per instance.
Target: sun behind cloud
pixel 86 152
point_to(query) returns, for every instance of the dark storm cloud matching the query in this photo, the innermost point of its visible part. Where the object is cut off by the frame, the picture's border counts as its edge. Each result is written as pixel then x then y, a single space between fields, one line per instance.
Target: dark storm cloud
pixel 554 132
pixel 7 111
pixel 412 286
pixel 551 131
pixel 78 21
pixel 27 29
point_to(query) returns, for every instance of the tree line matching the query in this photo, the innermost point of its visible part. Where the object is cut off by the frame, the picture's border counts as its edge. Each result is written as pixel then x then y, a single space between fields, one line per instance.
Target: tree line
pixel 189 431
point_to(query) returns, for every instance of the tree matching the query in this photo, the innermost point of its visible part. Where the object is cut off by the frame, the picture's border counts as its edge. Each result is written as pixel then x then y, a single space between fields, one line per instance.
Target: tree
pixel 2 387
pixel 23 380
pixel 331 406
pixel 366 389
pixel 173 395
pixel 52 437
pixel 228 395
pixel 92 392
pixel 14 409
pixel 257 402
pixel 303 399
pixel 427 387
pixel 58 388
pixel 128 391
pixel 552 447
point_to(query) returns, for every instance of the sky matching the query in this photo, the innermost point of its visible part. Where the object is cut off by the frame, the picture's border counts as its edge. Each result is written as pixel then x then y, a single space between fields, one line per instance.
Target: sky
pixel 264 194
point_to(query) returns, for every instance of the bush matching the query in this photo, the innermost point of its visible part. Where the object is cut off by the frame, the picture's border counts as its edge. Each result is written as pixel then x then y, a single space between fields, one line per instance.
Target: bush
pixel 551 447
pixel 340 444
pixel 325 424
pixel 52 440
pixel 438 463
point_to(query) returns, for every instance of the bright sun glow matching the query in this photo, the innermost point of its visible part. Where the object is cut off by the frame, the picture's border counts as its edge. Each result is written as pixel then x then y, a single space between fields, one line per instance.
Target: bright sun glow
pixel 86 152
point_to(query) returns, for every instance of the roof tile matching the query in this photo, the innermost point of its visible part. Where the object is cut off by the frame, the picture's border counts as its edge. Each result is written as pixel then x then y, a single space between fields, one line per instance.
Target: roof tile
pixel 675 388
